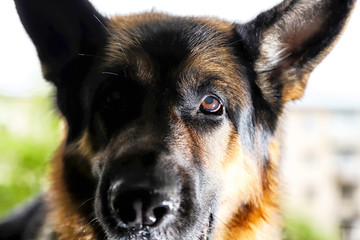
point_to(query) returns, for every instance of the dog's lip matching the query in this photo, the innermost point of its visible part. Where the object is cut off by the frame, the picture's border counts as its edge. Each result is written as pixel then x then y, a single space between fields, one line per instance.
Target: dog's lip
pixel 208 228
pixel 143 232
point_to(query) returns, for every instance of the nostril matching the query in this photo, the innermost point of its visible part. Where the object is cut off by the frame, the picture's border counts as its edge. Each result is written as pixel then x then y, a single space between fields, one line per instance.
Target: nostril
pixel 136 208
pixel 130 214
pixel 127 207
pixel 157 213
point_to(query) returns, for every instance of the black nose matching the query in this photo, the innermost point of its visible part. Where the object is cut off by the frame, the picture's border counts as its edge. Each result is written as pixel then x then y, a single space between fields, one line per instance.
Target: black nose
pixel 135 208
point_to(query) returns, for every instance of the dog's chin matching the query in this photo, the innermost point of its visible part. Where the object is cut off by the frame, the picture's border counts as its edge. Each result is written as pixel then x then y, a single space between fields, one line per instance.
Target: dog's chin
pixel 168 233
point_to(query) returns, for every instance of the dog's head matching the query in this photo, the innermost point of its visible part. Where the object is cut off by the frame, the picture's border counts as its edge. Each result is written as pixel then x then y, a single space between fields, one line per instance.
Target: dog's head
pixel 170 119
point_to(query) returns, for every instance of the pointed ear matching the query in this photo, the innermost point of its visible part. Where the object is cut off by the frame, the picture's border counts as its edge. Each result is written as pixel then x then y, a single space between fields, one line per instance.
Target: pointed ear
pixel 60 31
pixel 291 39
pixel 68 35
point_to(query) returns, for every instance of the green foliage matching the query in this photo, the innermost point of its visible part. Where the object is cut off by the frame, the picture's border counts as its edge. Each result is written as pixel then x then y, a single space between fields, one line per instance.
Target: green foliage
pixel 298 227
pixel 29 134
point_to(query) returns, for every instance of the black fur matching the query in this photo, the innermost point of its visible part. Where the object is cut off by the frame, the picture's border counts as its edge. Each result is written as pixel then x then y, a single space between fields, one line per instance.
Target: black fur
pixel 98 93
pixel 25 222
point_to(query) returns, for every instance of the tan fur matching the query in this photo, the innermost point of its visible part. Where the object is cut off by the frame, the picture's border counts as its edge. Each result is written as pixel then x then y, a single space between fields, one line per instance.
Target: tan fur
pixel 248 206
pixel 64 213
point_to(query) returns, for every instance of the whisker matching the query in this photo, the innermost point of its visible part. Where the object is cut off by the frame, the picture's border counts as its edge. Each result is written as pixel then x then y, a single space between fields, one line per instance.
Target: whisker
pixel 82 231
pixel 80 206
pixel 103 25
pixel 110 73
pixel 113 37
pixel 85 202
pixel 234 42
pixel 223 224
pixel 90 55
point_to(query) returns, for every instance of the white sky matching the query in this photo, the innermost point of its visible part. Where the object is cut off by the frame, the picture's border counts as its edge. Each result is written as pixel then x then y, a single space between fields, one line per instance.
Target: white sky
pixel 335 82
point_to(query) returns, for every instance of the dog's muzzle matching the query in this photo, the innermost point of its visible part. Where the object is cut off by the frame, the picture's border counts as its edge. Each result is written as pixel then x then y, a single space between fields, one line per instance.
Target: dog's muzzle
pixel 137 196
pixel 137 207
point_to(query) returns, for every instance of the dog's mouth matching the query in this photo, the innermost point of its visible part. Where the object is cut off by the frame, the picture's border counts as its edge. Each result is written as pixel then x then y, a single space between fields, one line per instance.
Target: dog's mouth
pixel 208 228
pixel 146 233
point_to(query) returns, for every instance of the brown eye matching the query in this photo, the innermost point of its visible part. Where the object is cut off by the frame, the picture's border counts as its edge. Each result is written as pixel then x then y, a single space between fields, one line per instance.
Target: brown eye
pixel 211 105
pixel 113 99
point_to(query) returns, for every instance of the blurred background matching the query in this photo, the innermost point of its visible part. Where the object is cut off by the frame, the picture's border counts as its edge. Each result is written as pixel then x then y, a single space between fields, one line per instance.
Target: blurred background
pixel 320 133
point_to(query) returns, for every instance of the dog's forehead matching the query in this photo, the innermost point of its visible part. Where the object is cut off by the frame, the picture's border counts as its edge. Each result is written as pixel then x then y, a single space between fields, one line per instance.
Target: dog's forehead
pixel 156 42
pixel 186 50
pixel 164 32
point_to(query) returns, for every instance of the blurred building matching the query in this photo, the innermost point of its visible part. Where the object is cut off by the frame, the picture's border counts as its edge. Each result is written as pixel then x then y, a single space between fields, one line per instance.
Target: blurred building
pixel 321 167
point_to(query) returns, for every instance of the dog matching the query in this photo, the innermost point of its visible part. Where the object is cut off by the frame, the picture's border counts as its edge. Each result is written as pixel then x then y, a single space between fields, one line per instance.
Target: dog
pixel 172 122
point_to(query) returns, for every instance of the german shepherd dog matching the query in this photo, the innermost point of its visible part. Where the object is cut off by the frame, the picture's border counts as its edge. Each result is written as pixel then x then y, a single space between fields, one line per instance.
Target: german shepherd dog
pixel 171 121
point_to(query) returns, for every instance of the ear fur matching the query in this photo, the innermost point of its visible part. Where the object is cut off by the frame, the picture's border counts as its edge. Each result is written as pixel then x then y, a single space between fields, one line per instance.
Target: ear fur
pixel 68 36
pixel 60 31
pixel 290 40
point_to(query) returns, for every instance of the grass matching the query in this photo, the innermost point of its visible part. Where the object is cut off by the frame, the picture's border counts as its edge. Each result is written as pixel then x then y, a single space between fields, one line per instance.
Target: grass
pixel 298 227
pixel 29 134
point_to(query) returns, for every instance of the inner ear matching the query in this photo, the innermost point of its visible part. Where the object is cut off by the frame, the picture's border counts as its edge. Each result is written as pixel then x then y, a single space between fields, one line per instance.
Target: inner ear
pixel 291 41
pixel 292 38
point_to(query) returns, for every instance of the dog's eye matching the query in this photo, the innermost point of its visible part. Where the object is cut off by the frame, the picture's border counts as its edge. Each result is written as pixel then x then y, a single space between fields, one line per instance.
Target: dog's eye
pixel 113 99
pixel 211 105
